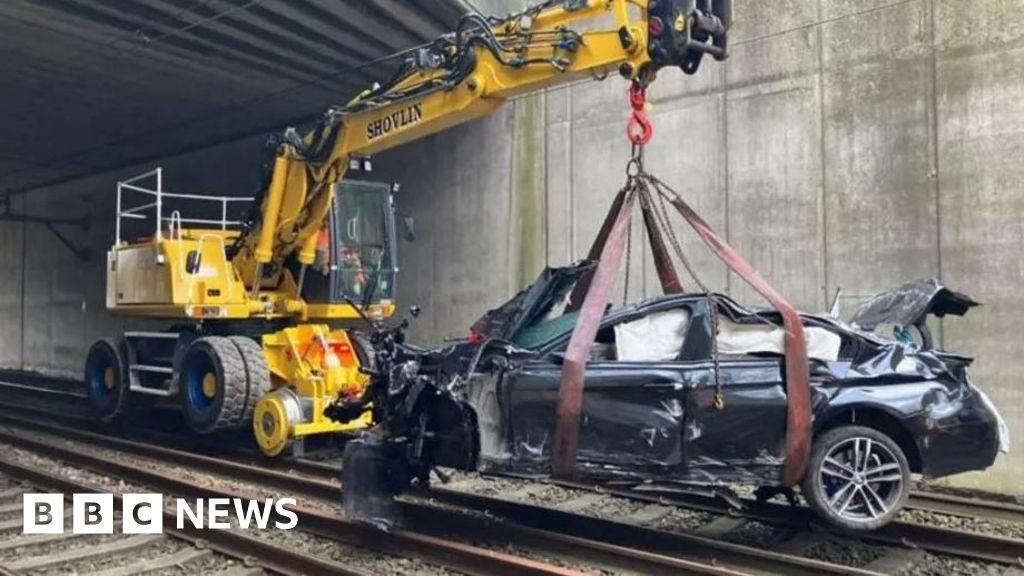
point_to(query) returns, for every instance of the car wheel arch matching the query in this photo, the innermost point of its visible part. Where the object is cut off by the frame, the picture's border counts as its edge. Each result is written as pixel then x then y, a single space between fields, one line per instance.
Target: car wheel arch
pixel 878 418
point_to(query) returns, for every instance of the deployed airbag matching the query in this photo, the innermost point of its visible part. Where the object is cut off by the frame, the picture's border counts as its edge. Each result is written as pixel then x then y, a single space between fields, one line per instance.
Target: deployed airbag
pixel 739 339
pixel 656 337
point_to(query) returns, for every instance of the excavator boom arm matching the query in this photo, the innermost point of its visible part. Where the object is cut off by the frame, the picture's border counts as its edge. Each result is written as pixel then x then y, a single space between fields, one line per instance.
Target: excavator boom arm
pixel 459 77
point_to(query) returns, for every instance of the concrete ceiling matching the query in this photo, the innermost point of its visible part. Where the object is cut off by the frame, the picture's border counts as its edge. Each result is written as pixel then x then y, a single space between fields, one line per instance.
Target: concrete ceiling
pixel 89 85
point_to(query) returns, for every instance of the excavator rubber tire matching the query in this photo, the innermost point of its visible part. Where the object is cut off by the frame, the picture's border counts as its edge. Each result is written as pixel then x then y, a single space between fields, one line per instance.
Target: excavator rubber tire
pixel 213 385
pixel 106 377
pixel 257 375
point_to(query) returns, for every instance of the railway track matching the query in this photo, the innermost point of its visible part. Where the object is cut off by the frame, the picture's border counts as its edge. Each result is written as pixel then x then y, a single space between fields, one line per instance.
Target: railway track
pixel 926 501
pixel 904 535
pixel 965 507
pixel 963 543
pixel 578 539
pixel 63 390
pixel 431 548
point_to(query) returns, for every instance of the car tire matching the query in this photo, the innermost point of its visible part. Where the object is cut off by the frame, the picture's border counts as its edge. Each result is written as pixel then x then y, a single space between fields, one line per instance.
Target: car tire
pixel 857 479
pixel 363 349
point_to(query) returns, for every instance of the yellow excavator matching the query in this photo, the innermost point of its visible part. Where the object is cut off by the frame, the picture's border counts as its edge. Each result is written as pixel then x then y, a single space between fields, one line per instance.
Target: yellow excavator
pixel 257 299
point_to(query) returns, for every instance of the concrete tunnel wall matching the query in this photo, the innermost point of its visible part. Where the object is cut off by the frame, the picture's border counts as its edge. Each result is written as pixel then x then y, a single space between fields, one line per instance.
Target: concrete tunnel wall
pixel 52 304
pixel 844 144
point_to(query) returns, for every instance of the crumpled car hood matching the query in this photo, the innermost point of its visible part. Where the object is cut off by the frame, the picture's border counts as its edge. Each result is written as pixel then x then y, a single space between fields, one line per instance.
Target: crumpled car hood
pixel 909 304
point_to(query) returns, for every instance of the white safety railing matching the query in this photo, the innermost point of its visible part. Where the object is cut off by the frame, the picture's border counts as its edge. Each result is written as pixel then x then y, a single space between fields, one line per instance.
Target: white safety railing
pixel 159 199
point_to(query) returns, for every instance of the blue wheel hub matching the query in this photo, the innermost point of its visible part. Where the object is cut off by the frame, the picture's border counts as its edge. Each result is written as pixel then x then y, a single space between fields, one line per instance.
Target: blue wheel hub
pixel 200 389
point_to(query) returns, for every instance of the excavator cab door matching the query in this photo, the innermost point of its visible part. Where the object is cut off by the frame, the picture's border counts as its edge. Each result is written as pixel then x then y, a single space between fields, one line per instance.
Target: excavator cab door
pixel 363 251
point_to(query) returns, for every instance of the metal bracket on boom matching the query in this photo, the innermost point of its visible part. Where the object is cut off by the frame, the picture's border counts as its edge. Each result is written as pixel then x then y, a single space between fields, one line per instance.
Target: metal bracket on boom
pixel 682 31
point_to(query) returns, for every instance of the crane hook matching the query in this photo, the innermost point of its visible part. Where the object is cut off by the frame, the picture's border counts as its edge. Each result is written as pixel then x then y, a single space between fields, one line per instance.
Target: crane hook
pixel 639 129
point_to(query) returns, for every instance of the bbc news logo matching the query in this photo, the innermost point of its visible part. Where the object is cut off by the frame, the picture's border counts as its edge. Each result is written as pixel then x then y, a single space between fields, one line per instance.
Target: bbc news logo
pixel 144 513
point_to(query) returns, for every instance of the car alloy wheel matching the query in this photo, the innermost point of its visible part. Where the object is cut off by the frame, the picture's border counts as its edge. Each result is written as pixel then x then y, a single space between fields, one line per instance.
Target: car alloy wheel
pixel 858 478
pixel 862 479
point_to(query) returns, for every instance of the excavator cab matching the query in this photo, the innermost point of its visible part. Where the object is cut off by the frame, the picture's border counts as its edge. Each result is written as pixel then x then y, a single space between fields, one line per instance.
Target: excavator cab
pixel 356 251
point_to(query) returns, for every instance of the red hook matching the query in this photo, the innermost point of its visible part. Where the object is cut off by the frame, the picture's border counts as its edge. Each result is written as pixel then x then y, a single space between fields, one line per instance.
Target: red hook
pixel 639 129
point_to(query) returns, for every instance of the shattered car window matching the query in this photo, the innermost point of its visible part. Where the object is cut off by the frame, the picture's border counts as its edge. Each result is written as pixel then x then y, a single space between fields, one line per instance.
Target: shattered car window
pixel 546 330
pixel 532 309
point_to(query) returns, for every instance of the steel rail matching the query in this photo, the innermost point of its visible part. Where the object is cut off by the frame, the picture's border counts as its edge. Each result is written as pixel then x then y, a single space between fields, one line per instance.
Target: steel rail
pixel 925 501
pixel 702 549
pixel 229 543
pixel 458 556
pixel 619 545
pixel 964 543
pixel 42 390
pixel 934 502
pixel 966 507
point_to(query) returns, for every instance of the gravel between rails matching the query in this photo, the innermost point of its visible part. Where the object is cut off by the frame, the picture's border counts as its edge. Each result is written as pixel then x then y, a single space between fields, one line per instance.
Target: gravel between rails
pixel 831 548
pixel 210 564
pixel 365 559
pixel 981 525
pixel 938 488
pixel 371 561
pixel 512 548
pixel 681 520
pixel 835 549
pixel 88 565
pixel 759 535
pixel 48 548
pixel 613 508
pixel 845 551
pixel 942 565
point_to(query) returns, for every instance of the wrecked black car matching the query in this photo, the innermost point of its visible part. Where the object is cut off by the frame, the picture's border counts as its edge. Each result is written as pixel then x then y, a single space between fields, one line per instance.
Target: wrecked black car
pixel 883 409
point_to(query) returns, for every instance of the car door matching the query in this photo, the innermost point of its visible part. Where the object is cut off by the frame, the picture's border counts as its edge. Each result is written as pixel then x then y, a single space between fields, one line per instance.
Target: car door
pixel 745 435
pixel 633 411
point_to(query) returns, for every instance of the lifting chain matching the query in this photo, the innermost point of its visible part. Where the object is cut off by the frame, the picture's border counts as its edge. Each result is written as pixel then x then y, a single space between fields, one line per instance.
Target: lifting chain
pixel 663 220
pixel 639 130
